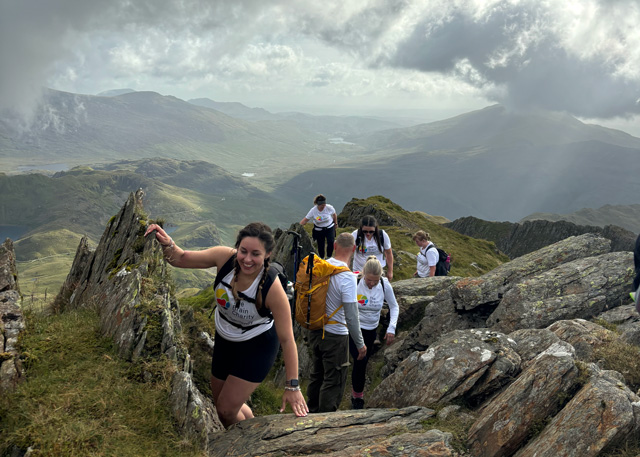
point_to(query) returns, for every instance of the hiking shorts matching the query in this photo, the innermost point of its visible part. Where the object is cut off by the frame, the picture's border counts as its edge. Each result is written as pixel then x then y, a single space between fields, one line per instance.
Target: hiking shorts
pixel 250 360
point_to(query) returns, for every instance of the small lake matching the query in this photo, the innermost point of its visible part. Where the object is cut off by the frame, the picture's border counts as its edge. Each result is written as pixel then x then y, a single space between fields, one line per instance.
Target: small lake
pixel 45 166
pixel 338 140
pixel 12 231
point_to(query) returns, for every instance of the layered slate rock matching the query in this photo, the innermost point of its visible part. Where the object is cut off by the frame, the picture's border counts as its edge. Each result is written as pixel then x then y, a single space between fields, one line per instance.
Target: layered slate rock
pixel 602 414
pixel 125 279
pixel 538 393
pixel 464 365
pixel 396 432
pixel 582 288
pixel 11 319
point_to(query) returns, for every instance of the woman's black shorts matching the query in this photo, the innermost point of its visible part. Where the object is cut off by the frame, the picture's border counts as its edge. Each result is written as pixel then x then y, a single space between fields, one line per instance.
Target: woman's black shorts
pixel 250 360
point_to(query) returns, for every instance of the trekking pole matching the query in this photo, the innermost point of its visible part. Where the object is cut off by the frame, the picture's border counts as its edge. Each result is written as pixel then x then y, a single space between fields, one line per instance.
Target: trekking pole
pixel 310 273
pixel 295 250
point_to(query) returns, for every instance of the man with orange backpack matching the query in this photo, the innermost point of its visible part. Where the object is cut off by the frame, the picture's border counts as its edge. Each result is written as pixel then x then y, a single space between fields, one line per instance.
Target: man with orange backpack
pixel 330 344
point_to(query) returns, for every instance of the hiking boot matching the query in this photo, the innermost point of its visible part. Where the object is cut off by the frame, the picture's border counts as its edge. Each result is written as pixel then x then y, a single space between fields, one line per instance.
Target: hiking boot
pixel 357 403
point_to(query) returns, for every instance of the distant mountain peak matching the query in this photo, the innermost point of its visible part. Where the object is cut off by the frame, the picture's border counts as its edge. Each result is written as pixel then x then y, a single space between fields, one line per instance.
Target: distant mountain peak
pixel 114 92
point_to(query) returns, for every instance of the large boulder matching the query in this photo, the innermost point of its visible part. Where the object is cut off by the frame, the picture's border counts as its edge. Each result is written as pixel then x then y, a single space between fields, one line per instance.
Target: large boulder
pixel 538 392
pixel 463 365
pixel 582 288
pixel 397 432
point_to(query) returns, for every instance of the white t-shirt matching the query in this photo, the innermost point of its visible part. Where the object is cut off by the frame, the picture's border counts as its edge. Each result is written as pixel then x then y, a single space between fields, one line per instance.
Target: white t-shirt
pixel 370 247
pixel 342 289
pixel 322 218
pixel 370 303
pixel 245 314
pixel 426 259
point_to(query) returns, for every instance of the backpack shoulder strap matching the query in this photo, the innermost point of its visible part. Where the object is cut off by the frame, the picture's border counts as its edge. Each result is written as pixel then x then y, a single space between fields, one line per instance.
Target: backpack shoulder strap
pixel 273 273
pixel 224 271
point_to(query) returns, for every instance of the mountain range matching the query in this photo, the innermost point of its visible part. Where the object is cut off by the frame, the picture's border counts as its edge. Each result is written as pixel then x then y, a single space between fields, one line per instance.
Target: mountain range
pixel 490 163
pixel 78 129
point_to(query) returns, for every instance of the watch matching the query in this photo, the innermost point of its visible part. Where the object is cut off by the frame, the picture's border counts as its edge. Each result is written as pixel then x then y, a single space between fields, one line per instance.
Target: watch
pixel 292 383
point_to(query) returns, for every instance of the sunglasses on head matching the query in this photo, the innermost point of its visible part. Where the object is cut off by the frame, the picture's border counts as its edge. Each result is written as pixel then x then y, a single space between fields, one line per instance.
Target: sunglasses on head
pixel 369 231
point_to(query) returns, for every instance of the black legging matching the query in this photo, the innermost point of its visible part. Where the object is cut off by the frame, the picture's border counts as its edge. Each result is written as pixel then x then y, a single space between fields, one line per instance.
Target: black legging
pixel 326 234
pixel 636 262
pixel 360 366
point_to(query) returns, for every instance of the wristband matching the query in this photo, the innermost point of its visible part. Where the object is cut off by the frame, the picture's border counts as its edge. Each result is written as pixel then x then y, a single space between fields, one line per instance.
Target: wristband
pixel 292 389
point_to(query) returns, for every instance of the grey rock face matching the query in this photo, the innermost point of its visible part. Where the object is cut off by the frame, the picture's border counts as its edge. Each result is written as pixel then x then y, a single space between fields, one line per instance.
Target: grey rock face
pixel 576 277
pixel 536 394
pixel 469 365
pixel 11 319
pixel 8 270
pixel 601 414
pixel 343 433
pixel 579 289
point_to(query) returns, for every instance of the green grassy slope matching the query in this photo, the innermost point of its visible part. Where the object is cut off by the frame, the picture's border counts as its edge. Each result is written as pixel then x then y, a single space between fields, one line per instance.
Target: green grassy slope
pixel 470 257
pixel 203 203
pixel 80 399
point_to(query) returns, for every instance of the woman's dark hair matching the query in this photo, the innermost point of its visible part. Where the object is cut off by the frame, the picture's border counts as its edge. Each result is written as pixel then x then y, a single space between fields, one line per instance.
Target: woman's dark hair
pixel 369 221
pixel 320 199
pixel 263 233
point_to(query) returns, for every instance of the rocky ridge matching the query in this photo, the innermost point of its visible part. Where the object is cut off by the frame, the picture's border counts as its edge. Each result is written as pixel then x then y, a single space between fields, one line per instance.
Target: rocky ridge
pixel 516 239
pixel 514 346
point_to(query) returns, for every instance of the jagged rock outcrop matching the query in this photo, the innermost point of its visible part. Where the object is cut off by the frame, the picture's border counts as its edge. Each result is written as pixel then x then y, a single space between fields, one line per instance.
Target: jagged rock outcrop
pixel 78 268
pixel 516 239
pixel 125 279
pixel 11 319
pixel 397 432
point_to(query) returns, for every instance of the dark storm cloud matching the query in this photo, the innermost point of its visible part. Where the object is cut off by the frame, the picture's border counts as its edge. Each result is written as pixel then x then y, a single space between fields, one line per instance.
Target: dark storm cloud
pixel 516 55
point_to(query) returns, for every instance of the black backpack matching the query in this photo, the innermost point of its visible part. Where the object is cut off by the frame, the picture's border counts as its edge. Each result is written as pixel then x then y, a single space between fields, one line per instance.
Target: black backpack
pixel 443 266
pixel 275 270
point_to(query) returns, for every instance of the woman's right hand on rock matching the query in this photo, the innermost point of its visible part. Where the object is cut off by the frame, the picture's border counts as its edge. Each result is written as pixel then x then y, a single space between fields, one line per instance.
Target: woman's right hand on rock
pixel 162 236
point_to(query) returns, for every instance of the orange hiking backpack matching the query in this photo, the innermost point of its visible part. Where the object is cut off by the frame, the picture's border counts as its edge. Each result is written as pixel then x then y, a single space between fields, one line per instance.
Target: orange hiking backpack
pixel 312 284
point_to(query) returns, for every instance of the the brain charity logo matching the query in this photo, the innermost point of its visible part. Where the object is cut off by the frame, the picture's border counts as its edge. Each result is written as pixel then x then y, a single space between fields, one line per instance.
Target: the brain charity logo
pixel 363 300
pixel 222 298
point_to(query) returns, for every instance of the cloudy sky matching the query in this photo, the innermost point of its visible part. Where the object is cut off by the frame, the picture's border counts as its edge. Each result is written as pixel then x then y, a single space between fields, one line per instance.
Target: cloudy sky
pixel 334 56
